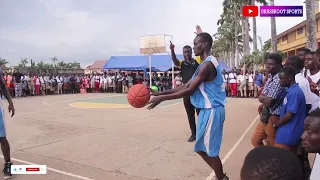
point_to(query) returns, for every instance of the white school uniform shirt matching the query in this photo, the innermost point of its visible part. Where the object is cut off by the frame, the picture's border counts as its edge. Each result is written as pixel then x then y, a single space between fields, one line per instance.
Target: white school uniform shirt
pixel 315 174
pixel 250 76
pixel 315 78
pixel 226 77
pixel 46 78
pixel 58 80
pixel 37 81
pixel 41 79
pixel 240 78
pixel 232 78
pixel 314 99
pixel 97 78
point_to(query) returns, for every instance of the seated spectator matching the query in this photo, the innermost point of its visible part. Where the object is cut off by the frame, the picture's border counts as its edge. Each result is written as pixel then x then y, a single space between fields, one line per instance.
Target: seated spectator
pixel 271 163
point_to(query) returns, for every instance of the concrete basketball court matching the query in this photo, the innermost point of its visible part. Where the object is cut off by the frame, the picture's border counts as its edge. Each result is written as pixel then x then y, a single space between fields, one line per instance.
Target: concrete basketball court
pixel 100 137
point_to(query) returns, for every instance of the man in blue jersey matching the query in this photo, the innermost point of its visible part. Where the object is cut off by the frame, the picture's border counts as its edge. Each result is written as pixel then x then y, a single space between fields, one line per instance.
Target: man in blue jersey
pixel 5 147
pixel 207 92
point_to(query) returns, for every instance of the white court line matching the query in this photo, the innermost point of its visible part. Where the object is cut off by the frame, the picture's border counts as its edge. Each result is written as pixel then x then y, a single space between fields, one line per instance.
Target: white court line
pixel 227 156
pixel 52 169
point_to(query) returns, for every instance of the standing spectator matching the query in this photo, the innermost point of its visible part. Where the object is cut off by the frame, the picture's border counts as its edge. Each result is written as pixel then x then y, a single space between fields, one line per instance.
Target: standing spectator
pixel 302 53
pixel 18 83
pixel 59 82
pixel 242 84
pixel 298 65
pixel 31 84
pixel 36 80
pixel 97 80
pixel 130 80
pixel 258 83
pixel 271 98
pixel 250 84
pixel 178 80
pixel 290 126
pixel 233 83
pixel 124 83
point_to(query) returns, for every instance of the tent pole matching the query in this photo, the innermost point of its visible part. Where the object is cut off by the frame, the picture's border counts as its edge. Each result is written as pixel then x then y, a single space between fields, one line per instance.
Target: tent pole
pixel 172 66
pixel 150 64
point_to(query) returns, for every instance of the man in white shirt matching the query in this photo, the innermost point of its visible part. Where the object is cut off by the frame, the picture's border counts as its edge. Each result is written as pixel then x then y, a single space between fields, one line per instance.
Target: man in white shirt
pixel 242 83
pixel 251 83
pixel 59 81
pixel 43 85
pixel 313 77
pixel 130 80
pixel 298 65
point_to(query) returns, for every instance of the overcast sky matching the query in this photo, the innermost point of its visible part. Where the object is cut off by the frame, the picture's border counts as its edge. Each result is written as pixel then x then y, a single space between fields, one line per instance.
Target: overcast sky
pixel 85 31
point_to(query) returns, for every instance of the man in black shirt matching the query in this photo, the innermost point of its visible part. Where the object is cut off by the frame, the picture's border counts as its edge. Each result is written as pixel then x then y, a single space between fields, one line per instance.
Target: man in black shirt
pixel 17 77
pixel 188 67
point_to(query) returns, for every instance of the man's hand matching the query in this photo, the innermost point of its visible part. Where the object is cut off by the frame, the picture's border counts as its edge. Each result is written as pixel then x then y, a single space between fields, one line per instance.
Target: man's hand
pixel 198 30
pixel 171 46
pixel 153 92
pixel 155 102
pixel 11 109
pixel 313 86
pixel 260 108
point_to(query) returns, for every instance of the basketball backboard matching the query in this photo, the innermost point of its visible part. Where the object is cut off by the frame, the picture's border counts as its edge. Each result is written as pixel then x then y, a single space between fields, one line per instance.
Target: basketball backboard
pixel 153 44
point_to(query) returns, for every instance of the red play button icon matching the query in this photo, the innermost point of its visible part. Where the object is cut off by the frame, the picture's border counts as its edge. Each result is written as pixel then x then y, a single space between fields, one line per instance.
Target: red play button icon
pixel 250 11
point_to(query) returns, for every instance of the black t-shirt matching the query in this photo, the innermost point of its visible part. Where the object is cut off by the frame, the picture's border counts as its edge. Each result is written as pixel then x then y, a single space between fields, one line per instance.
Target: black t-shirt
pixel 17 76
pixel 188 69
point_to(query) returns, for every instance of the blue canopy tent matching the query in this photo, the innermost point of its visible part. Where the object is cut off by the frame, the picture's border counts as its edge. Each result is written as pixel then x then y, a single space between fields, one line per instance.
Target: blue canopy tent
pixel 224 66
pixel 141 62
pixel 161 62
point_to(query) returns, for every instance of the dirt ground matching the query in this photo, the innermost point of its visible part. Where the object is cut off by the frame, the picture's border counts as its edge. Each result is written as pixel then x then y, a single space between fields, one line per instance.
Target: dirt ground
pixel 100 137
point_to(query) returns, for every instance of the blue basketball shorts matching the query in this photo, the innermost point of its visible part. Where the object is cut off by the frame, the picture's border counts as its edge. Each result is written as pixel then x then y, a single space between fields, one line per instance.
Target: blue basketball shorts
pixel 209 131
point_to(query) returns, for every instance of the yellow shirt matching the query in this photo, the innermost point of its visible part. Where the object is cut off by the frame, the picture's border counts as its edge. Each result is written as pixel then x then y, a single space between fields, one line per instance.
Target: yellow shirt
pixel 197 58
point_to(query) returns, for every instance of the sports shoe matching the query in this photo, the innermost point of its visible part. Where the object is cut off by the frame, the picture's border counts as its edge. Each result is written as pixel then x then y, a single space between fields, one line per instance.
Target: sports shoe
pixel 192 138
pixel 7 171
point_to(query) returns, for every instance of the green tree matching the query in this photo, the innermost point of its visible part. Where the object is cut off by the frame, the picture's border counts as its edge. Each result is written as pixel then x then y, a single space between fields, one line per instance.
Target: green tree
pixel 3 62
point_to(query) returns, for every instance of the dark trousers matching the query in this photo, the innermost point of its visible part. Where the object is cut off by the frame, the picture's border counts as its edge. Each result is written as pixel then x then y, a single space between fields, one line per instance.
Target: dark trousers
pixel 190 109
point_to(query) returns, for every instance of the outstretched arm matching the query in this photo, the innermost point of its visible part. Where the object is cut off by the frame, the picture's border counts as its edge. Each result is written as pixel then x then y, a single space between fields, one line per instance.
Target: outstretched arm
pixel 171 91
pixel 173 56
pixel 204 72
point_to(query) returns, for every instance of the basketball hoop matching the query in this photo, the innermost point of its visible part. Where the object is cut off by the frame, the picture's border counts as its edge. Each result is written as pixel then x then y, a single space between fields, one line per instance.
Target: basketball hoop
pixel 152 44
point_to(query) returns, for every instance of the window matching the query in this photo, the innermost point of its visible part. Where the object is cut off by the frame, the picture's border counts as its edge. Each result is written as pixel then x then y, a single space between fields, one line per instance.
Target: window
pixel 300 31
pixel 285 38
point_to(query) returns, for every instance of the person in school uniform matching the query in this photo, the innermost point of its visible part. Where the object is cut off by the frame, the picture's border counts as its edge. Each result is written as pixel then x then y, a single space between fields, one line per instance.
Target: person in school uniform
pixel 290 126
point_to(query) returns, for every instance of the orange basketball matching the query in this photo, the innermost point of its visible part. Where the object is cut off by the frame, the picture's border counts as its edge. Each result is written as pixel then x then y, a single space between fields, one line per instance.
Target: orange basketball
pixel 138 96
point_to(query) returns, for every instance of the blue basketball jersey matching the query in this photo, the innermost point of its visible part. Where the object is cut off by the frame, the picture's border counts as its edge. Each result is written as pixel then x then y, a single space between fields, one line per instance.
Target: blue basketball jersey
pixel 210 94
